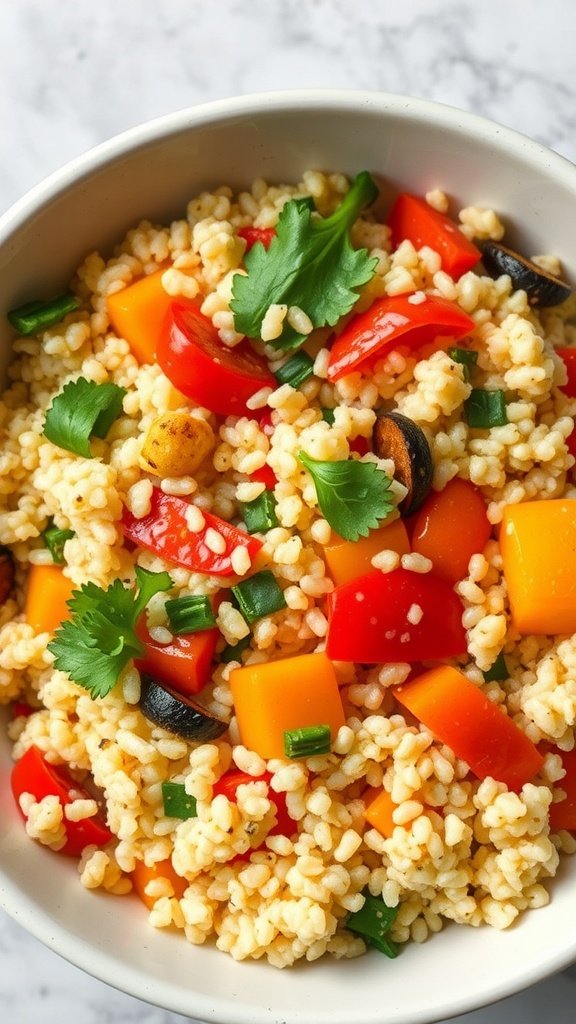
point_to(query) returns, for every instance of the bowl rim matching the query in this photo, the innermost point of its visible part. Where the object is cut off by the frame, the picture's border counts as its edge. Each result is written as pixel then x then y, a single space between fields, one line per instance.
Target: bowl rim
pixel 98 962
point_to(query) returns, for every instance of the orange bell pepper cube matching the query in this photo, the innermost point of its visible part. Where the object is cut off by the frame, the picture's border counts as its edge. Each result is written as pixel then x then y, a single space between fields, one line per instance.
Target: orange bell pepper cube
pixel 538 545
pixel 47 592
pixel 563 814
pixel 450 527
pixel 379 813
pixel 143 874
pixel 272 697
pixel 347 560
pixel 478 731
pixel 414 219
pixel 137 314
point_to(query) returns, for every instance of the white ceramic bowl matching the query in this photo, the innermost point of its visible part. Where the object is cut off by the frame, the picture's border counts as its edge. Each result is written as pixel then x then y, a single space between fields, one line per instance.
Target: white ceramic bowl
pixel 151 172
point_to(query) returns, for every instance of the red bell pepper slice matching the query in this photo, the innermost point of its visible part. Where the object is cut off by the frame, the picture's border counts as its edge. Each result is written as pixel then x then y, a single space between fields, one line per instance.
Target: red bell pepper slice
pixel 568 356
pixel 265 475
pixel 450 527
pixel 414 219
pixel 165 532
pixel 253 235
pixel 228 784
pixel 218 378
pixel 563 814
pixel 33 774
pixel 394 318
pixel 185 663
pixel 368 619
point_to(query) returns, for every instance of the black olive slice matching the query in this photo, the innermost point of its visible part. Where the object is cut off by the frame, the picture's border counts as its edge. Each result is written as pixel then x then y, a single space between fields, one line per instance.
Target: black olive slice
pixel 6 574
pixel 542 288
pixel 177 713
pixel 399 438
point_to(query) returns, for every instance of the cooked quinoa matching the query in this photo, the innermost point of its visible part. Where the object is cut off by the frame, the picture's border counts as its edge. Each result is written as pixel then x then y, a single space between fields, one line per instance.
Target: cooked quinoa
pixel 463 850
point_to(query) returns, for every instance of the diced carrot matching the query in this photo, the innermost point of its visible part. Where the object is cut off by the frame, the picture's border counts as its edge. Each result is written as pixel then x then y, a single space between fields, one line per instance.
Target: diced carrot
pixel 379 813
pixel 478 731
pixel 347 560
pixel 450 527
pixel 287 694
pixel 47 592
pixel 137 314
pixel 538 545
pixel 143 874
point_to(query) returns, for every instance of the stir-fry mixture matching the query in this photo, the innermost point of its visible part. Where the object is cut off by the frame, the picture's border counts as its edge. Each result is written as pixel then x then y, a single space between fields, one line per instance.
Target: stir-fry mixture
pixel 288 574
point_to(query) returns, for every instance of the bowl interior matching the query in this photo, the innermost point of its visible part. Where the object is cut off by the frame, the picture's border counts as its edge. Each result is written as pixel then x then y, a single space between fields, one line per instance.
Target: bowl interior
pixel 152 172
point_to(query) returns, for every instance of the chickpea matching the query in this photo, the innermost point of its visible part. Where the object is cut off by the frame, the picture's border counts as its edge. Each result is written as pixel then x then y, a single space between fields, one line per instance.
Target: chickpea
pixel 176 444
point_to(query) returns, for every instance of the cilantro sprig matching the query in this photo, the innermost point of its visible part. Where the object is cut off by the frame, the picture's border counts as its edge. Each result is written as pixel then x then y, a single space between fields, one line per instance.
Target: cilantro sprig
pixel 99 639
pixel 310 263
pixel 354 497
pixel 82 410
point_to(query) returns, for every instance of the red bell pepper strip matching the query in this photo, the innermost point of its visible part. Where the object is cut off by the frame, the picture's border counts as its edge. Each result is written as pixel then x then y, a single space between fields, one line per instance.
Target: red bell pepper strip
pixel 394 319
pixel 253 235
pixel 414 219
pixel 368 619
pixel 165 532
pixel 450 527
pixel 478 731
pixel 185 663
pixel 265 475
pixel 228 784
pixel 218 378
pixel 33 774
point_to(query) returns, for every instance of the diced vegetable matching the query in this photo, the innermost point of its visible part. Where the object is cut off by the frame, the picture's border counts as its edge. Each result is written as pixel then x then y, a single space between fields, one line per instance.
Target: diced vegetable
pixel 568 356
pixel 467 357
pixel 228 785
pixel 394 320
pixel 143 874
pixel 178 713
pixel 414 219
pixel 265 475
pixel 83 409
pixel 233 652
pixel 398 438
pixel 254 235
pixel 478 731
pixel 33 317
pixel 538 547
pixel 373 922
pixel 347 560
pixel 498 670
pixel 203 368
pixel 260 514
pixel 6 573
pixel 165 531
pixel 177 803
pixel 138 314
pixel 190 614
pixel 184 664
pixel 371 619
pixel 259 595
pixel 378 813
pixel 33 774
pixel 295 370
pixel 176 444
pixel 47 594
pixel 19 708
pixel 563 813
pixel 55 539
pixel 308 741
pixel 450 527
pixel 541 287
pixel 485 409
pixel 354 497
pixel 290 693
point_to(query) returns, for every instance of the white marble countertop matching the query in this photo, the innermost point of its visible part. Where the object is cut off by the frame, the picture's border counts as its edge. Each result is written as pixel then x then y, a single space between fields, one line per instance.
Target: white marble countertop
pixel 73 74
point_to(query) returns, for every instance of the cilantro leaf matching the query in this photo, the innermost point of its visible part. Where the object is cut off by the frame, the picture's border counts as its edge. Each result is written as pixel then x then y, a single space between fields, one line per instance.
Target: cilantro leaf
pixel 99 639
pixel 354 497
pixel 82 410
pixel 310 263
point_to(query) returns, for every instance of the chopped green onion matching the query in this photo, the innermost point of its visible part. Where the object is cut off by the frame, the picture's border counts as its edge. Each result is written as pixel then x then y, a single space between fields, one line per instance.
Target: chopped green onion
pixel 55 539
pixel 308 741
pixel 328 416
pixel 486 409
pixel 260 514
pixel 177 803
pixel 467 357
pixel 497 671
pixel 295 370
pixel 190 614
pixel 233 652
pixel 259 595
pixel 36 316
pixel 373 922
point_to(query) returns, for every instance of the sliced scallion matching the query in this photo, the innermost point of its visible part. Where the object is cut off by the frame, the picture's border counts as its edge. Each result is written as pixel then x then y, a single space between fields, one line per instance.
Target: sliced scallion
pixel 233 652
pixel 190 614
pixel 467 357
pixel 308 741
pixel 485 409
pixel 497 671
pixel 55 539
pixel 260 514
pixel 295 370
pixel 37 316
pixel 328 416
pixel 259 595
pixel 373 922
pixel 177 802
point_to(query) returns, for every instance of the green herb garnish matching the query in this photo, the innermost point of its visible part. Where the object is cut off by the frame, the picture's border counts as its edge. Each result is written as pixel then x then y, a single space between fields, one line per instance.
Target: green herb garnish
pixel 55 539
pixel 328 416
pixel 498 671
pixel 354 497
pixel 82 410
pixel 485 409
pixel 177 803
pixel 36 316
pixel 295 370
pixel 190 614
pixel 373 922
pixel 467 358
pixel 259 595
pixel 308 741
pixel 99 639
pixel 260 514
pixel 310 264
